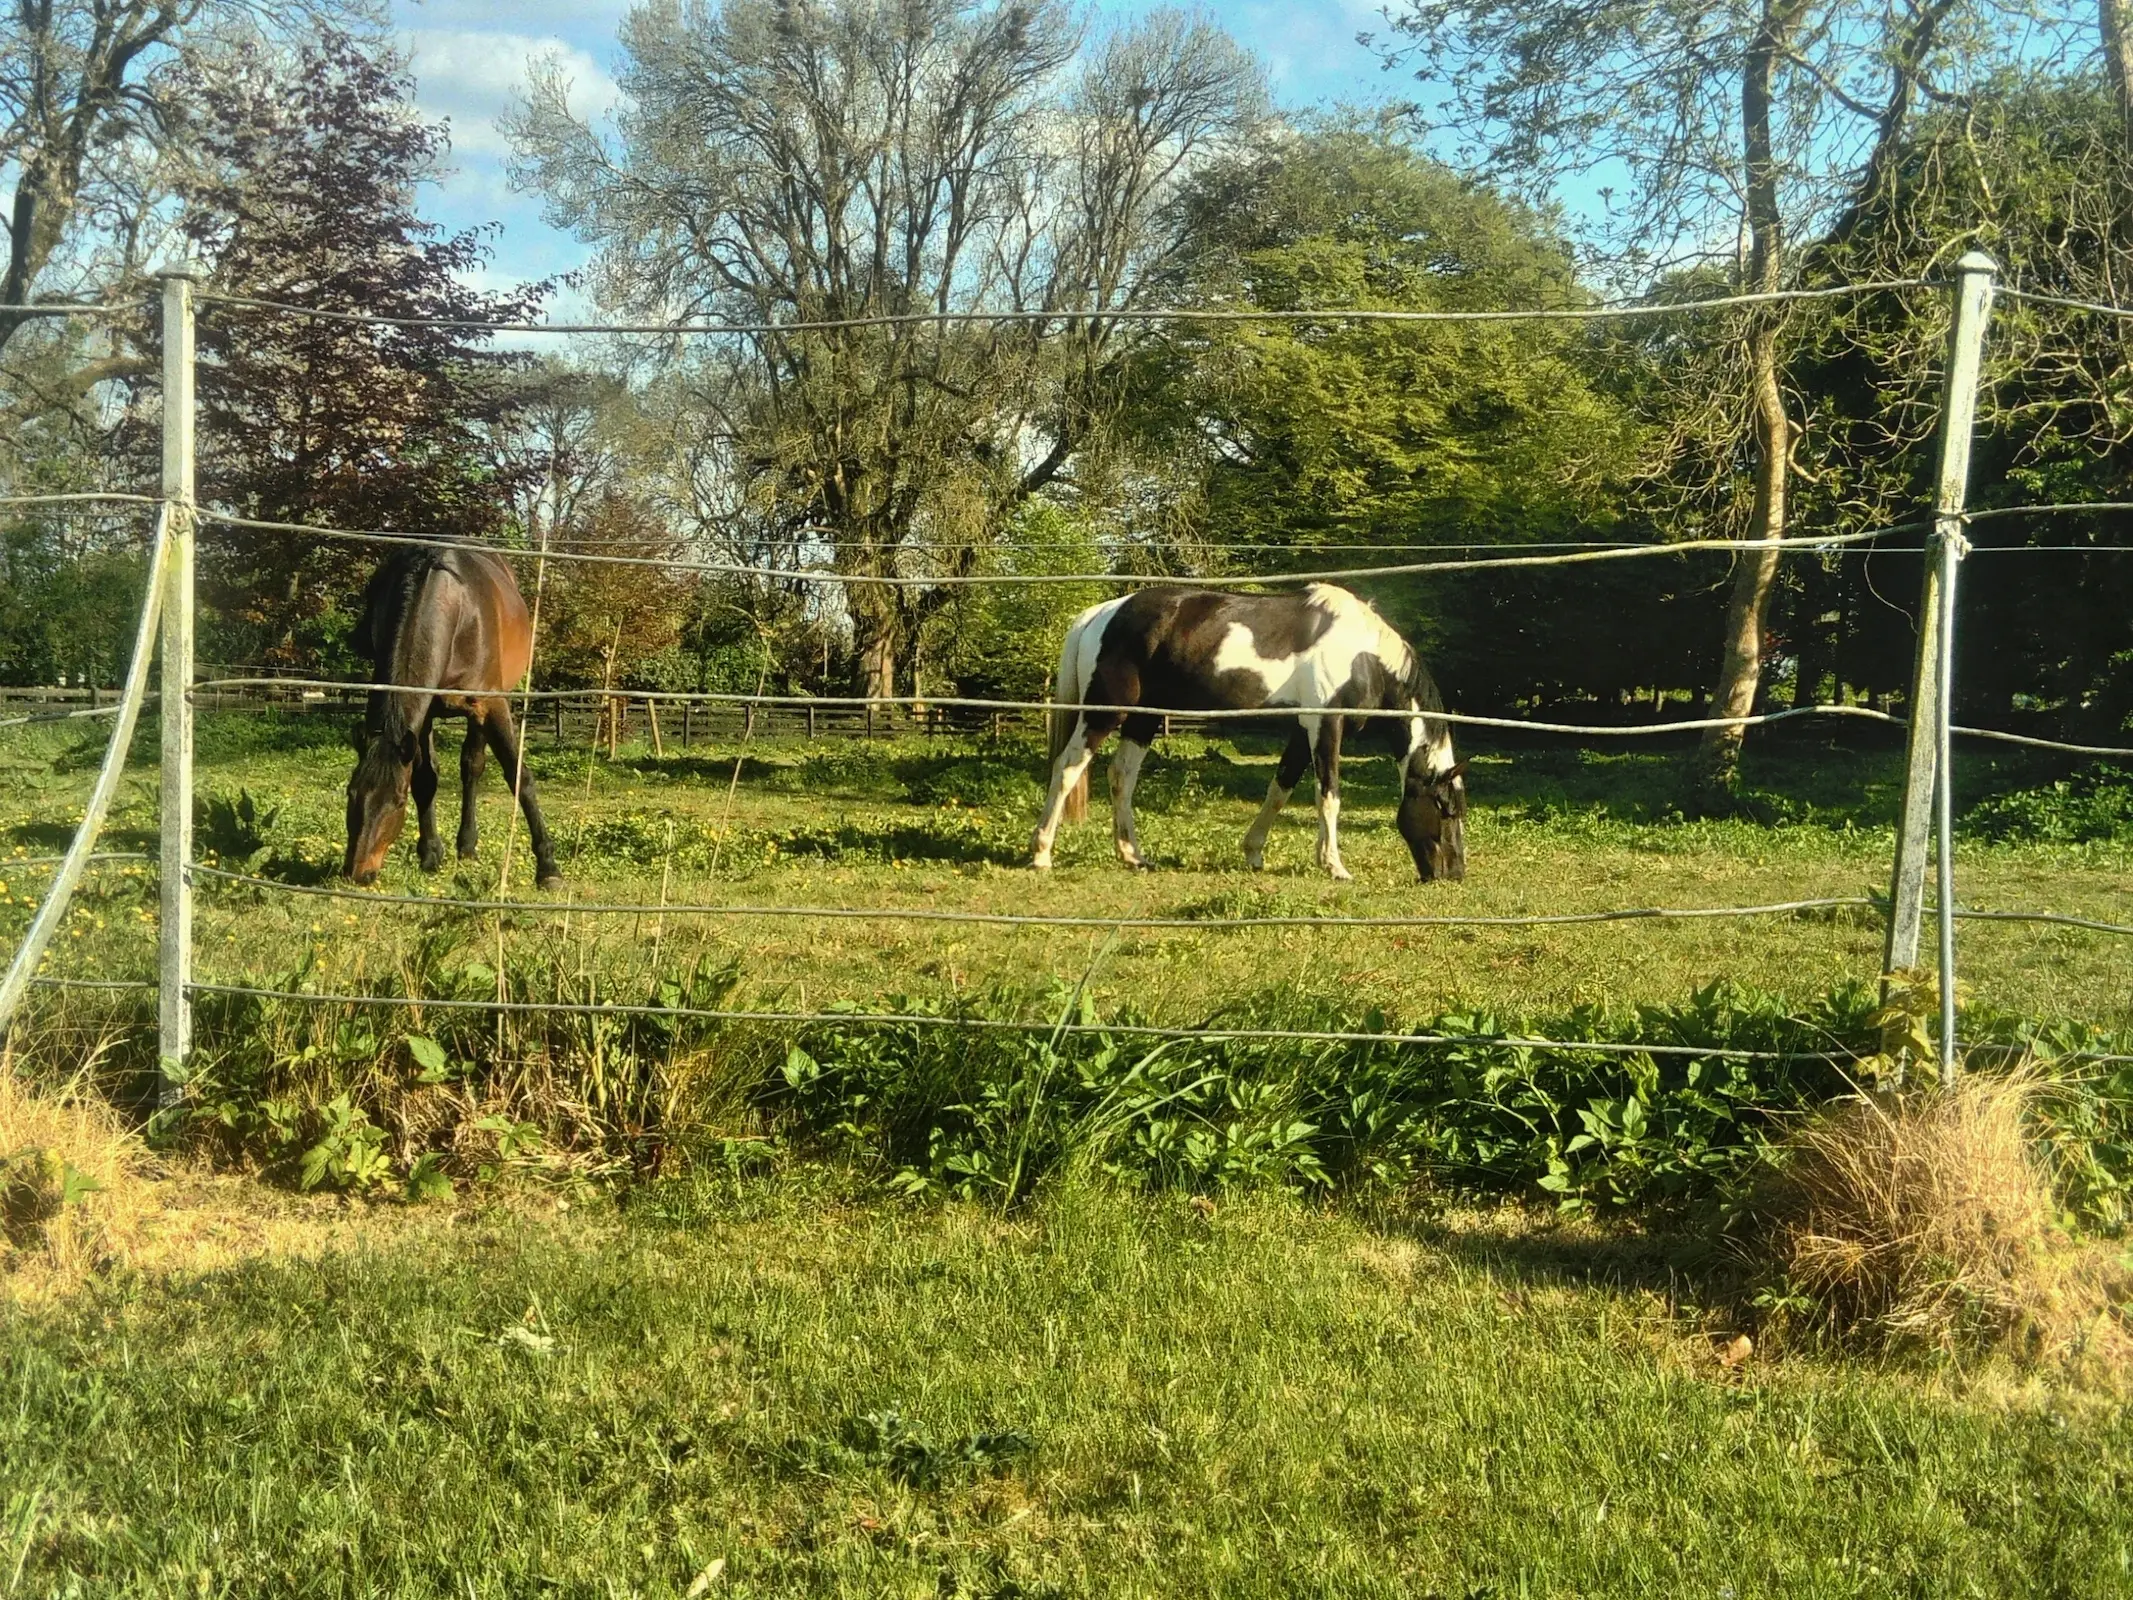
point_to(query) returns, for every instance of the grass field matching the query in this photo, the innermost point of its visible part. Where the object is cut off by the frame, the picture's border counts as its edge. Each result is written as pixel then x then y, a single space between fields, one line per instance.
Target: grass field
pixel 943 824
pixel 1145 1367
pixel 800 1389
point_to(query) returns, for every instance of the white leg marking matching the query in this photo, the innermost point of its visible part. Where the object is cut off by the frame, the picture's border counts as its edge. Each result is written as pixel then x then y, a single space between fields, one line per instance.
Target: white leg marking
pixel 1125 773
pixel 1329 835
pixel 1255 835
pixel 1066 772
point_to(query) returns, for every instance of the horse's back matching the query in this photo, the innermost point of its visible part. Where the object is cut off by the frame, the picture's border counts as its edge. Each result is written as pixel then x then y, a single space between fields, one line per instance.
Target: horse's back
pixel 456 612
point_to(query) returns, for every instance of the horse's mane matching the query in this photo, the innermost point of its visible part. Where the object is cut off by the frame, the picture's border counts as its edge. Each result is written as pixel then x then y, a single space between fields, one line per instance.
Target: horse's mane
pixel 1417 687
pixel 387 601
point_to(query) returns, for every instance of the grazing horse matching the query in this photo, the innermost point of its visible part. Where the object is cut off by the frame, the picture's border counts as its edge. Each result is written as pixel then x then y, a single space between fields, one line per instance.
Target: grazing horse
pixel 1316 653
pixel 446 632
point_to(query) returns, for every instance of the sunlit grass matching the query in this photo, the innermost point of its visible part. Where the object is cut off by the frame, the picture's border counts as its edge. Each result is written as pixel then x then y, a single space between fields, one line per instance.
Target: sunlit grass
pixel 1108 1395
pixel 943 825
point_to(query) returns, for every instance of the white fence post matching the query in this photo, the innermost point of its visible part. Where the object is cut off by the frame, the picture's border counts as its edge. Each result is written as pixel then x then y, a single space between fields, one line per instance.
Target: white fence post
pixel 175 963
pixel 1928 791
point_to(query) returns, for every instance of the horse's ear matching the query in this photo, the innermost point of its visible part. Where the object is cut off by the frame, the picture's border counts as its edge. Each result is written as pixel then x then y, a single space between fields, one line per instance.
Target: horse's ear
pixel 358 739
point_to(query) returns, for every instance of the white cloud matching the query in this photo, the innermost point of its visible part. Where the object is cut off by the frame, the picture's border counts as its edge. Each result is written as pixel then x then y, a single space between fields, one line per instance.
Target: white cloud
pixel 473 77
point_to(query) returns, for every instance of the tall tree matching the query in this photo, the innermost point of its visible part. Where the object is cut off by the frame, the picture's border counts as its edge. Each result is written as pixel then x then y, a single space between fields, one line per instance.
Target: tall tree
pixel 1745 135
pixel 305 196
pixel 786 163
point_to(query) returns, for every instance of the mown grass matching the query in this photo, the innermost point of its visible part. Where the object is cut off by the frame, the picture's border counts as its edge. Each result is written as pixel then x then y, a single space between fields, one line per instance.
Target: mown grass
pixel 789 1385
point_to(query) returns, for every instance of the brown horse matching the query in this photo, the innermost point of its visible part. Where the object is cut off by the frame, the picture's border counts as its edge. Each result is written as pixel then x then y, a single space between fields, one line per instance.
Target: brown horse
pixel 447 631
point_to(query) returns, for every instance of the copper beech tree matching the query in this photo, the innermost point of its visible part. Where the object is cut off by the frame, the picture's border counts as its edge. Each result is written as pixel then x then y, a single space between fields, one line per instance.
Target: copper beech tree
pixel 304 194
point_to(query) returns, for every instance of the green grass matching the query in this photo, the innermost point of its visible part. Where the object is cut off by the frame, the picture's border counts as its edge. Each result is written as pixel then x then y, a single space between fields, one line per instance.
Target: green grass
pixel 944 825
pixel 1103 1395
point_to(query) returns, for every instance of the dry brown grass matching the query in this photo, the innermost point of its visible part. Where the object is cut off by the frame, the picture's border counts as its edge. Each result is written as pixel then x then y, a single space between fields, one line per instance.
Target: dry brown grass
pixel 143 1214
pixel 1926 1218
pixel 76 1188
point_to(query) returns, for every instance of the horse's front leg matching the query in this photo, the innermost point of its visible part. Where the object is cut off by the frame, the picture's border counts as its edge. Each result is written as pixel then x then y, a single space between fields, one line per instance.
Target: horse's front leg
pixel 473 758
pixel 1294 760
pixel 1326 752
pixel 423 785
pixel 1074 758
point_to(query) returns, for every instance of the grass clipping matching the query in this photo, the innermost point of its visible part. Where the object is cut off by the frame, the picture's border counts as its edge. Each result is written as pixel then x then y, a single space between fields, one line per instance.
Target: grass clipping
pixel 1925 1219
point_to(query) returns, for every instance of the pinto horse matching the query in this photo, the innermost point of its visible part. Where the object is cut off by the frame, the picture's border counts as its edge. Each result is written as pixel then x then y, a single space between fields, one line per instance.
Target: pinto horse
pixel 1316 653
pixel 447 633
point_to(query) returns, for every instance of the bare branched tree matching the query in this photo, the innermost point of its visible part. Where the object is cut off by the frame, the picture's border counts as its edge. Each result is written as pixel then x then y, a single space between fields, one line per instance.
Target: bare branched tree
pixel 790 164
pixel 1742 137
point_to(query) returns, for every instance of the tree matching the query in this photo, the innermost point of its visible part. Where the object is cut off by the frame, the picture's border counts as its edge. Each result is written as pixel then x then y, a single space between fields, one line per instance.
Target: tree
pixel 1376 432
pixel 1751 133
pixel 306 196
pixel 787 163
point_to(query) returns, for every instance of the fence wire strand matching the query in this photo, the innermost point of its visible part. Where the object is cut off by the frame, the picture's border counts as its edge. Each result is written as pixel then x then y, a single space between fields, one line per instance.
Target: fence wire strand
pixel 1069 318
pixel 731 569
pixel 1210 1031
pixel 564 908
pixel 782 702
pixel 1012 919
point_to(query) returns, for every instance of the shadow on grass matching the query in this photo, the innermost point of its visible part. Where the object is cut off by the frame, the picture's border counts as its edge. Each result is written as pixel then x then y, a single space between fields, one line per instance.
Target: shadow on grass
pixel 56 836
pixel 1532 1248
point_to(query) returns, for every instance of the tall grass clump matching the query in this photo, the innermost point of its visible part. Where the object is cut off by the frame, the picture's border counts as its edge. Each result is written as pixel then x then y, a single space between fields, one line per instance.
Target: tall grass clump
pixel 1929 1218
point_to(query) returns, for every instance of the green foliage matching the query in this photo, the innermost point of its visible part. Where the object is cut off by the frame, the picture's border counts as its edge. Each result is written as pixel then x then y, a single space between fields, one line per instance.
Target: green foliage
pixel 35 1186
pixel 988 1115
pixel 1384 431
pixel 67 609
pixel 2096 804
pixel 882 1441
pixel 1002 642
pixel 233 829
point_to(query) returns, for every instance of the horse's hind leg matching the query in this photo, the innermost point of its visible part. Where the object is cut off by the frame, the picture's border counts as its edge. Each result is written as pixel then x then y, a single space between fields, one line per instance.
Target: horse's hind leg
pixel 423 785
pixel 1133 742
pixel 1067 772
pixel 503 739
pixel 1294 759
pixel 1326 749
pixel 473 757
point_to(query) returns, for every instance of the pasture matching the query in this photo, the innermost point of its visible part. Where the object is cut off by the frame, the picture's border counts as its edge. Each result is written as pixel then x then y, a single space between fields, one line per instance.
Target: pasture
pixel 762 1369
pixel 942 824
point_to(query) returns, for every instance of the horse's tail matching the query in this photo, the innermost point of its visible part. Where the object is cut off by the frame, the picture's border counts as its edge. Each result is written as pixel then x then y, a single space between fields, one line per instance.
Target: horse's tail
pixel 1066 691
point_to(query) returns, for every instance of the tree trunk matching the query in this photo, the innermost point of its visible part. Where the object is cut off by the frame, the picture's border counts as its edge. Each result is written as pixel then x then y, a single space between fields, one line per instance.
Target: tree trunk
pixel 874 633
pixel 1740 666
pixel 2116 19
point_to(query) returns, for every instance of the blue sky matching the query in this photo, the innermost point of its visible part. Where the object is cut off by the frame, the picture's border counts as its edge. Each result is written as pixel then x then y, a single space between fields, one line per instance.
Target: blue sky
pixel 470 59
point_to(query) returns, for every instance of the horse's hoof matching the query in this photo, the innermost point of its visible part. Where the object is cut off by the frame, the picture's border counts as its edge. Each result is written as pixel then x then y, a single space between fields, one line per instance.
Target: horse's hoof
pixel 1040 863
pixel 1340 874
pixel 1254 863
pixel 431 863
pixel 551 879
pixel 470 853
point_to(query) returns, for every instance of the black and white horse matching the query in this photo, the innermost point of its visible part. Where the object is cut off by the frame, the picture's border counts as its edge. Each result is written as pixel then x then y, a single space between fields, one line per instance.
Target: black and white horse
pixel 1318 652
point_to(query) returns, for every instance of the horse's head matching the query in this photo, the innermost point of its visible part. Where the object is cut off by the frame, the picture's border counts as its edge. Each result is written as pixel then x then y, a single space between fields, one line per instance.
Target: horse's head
pixel 1432 818
pixel 377 797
